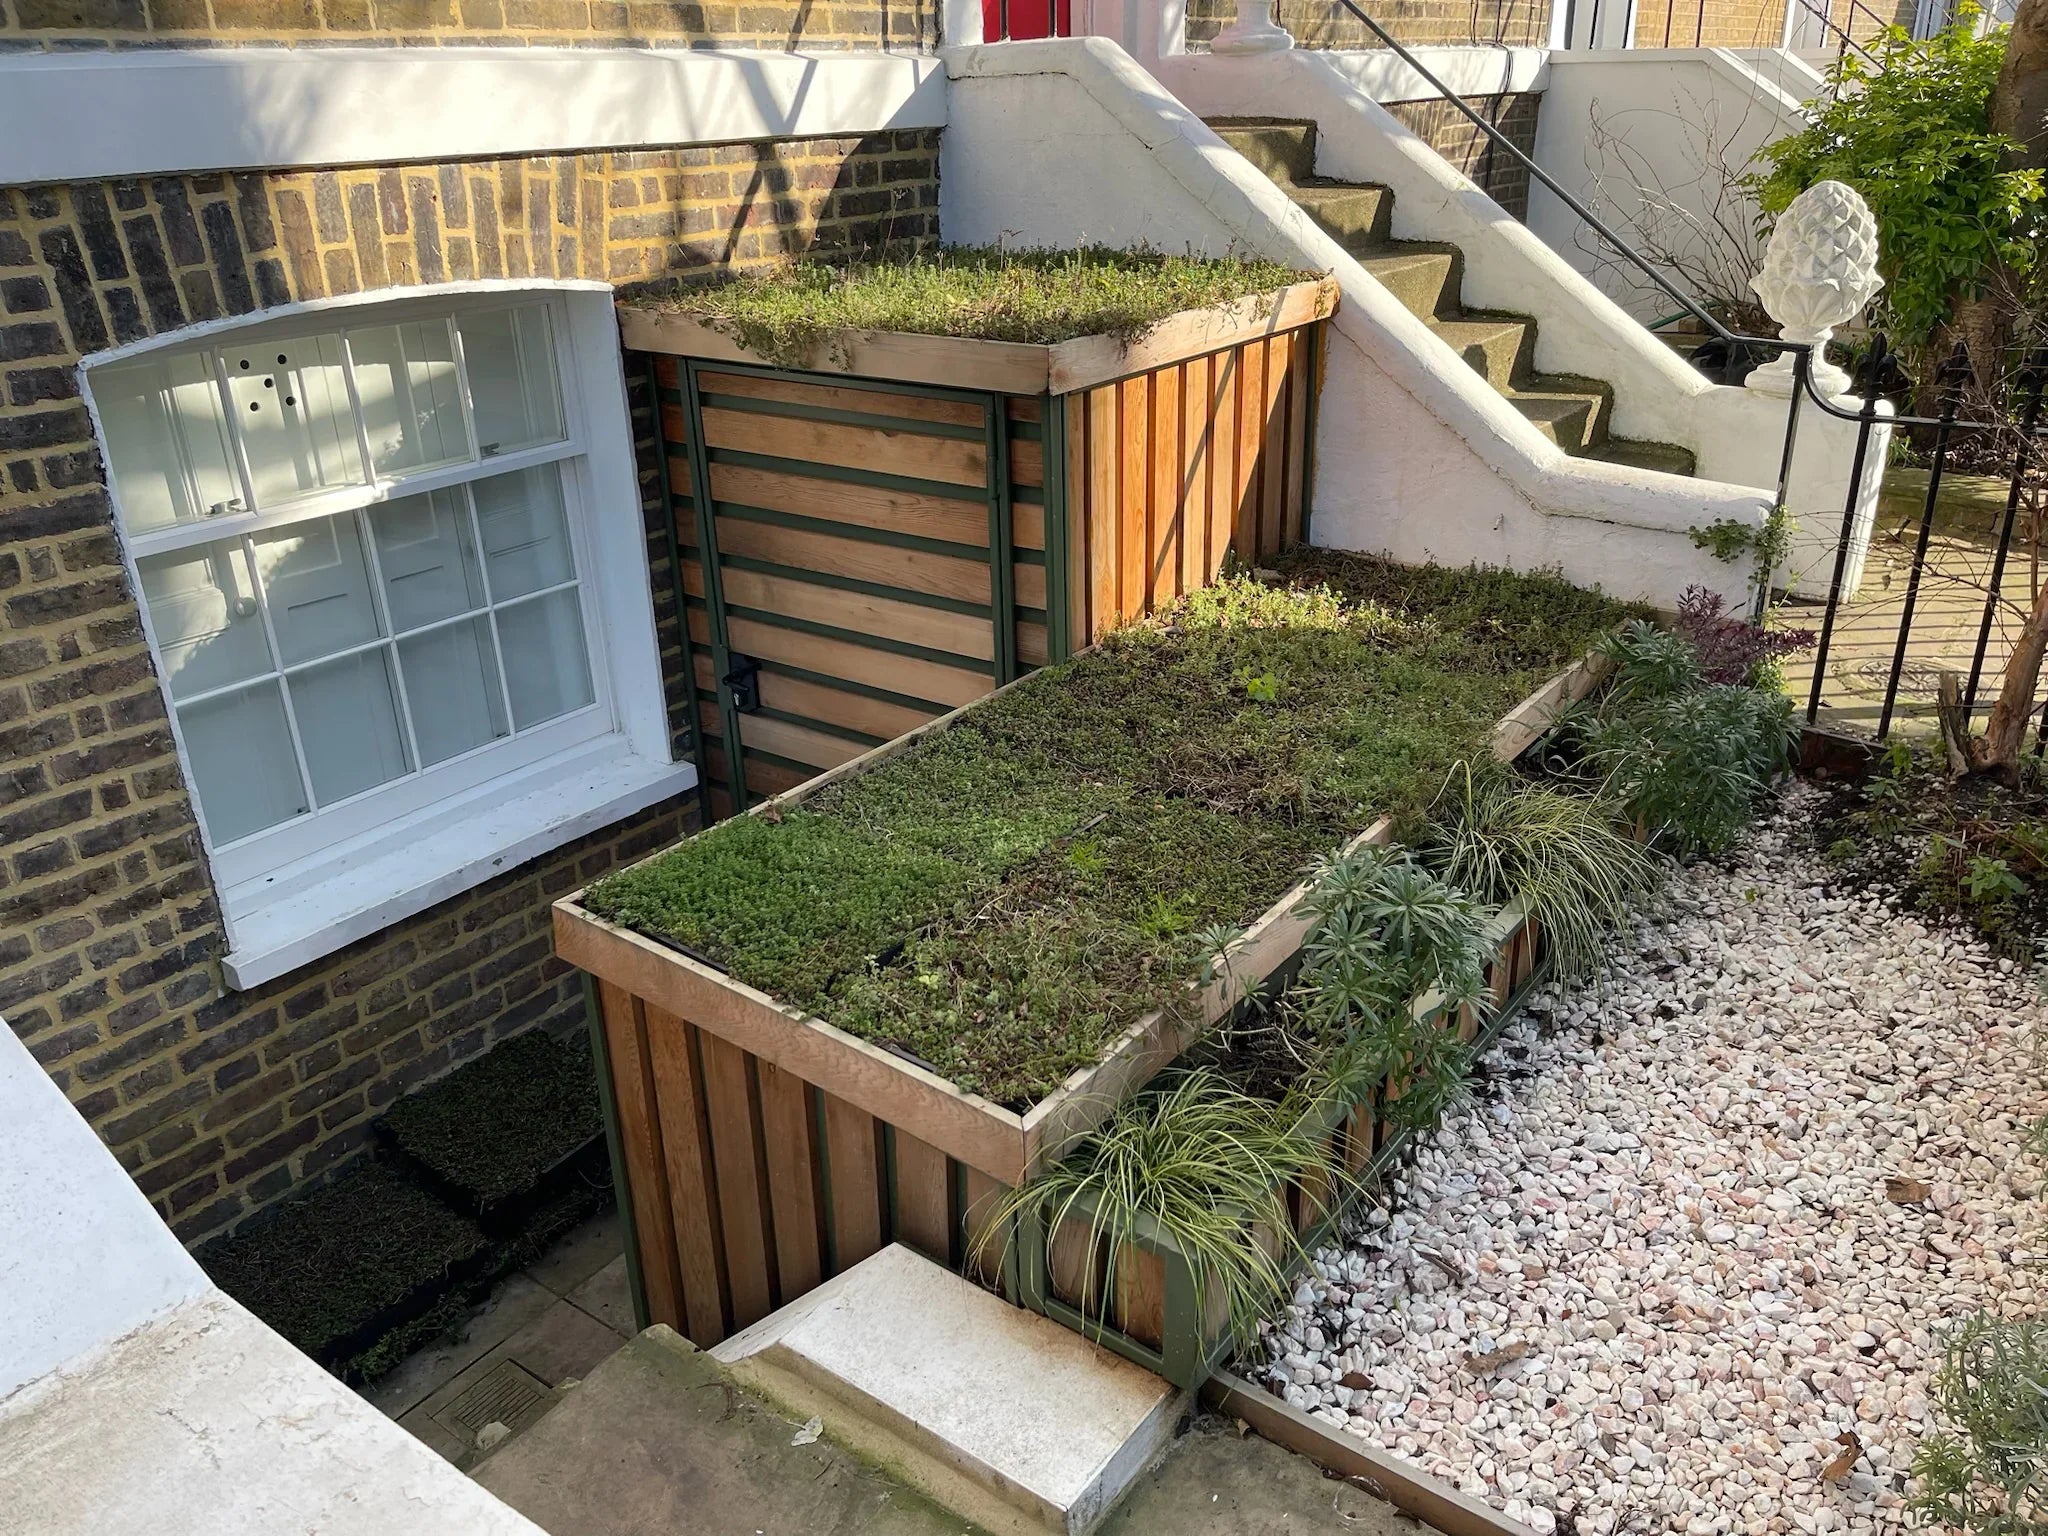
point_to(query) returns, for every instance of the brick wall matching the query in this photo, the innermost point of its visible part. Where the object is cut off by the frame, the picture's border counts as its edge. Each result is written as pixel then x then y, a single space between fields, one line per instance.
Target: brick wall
pixel 903 25
pixel 1325 24
pixel 1756 23
pixel 1453 135
pixel 109 930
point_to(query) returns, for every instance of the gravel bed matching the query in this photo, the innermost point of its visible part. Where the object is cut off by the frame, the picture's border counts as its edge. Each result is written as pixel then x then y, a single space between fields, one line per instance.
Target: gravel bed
pixel 1652 1276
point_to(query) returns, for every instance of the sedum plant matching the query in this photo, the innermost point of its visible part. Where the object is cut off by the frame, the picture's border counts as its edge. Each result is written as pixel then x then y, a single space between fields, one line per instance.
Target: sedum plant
pixel 1507 839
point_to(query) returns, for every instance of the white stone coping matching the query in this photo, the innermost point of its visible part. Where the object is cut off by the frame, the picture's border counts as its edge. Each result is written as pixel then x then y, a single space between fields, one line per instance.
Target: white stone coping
pixel 84 117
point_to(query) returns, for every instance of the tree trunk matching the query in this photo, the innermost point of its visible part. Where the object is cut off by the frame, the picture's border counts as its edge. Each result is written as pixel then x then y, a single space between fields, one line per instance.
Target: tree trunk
pixel 2018 109
pixel 2005 733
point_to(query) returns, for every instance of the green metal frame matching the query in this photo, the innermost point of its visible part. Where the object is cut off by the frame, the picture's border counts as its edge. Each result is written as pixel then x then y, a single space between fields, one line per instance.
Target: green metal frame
pixel 622 1190
pixel 675 571
pixel 1187 1357
pixel 1002 575
pixel 1059 615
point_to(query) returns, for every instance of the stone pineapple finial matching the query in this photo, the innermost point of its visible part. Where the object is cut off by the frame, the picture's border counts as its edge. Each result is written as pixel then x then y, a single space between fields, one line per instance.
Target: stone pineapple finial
pixel 1255 31
pixel 1820 269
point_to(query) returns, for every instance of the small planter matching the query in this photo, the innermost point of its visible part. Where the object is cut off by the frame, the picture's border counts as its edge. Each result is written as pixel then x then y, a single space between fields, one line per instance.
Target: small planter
pixel 1144 1301
pixel 905 523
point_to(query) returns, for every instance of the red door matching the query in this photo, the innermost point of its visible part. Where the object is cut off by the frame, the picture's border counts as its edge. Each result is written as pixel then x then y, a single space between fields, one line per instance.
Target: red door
pixel 1021 20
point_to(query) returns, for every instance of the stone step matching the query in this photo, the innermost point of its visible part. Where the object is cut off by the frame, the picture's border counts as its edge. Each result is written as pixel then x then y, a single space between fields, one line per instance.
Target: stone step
pixel 999 1414
pixel 1425 275
pixel 1570 412
pixel 1351 211
pixel 1663 458
pixel 1500 347
pixel 1284 149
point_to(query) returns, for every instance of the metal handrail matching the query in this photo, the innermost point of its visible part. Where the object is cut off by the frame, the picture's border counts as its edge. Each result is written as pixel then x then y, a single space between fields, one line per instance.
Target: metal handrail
pixel 1622 248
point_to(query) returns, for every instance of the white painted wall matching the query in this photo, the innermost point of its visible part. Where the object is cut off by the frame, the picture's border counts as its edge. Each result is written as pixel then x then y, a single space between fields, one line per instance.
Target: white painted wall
pixel 136 1397
pixel 1655 141
pixel 1415 455
pixel 82 117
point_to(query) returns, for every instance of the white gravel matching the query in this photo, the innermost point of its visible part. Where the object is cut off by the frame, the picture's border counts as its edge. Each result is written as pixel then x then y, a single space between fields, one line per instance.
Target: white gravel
pixel 1670 1226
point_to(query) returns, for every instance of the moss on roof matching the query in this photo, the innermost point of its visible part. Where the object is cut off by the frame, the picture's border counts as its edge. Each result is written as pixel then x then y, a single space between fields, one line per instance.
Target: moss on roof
pixel 1004 898
pixel 973 291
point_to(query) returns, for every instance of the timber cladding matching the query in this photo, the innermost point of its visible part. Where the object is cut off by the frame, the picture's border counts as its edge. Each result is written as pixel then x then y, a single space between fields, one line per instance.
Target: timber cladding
pixel 887 550
pixel 221 1103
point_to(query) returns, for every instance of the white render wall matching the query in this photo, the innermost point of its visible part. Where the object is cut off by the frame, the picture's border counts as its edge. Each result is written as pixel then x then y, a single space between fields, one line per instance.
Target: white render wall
pixel 1416 456
pixel 1681 125
pixel 138 1400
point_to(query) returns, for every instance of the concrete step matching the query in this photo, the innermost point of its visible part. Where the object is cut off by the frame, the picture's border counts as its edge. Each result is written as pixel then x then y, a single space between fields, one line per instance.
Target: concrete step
pixel 1001 1415
pixel 1283 148
pixel 1500 347
pixel 1424 275
pixel 659 1438
pixel 1571 412
pixel 1664 458
pixel 1351 211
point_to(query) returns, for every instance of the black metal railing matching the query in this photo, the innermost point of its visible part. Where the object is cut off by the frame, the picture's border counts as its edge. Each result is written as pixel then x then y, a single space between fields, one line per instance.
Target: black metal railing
pixel 2004 447
pixel 1843 32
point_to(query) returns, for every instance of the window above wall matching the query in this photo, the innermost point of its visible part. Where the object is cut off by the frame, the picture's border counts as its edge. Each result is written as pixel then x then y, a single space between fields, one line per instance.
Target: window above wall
pixel 391 562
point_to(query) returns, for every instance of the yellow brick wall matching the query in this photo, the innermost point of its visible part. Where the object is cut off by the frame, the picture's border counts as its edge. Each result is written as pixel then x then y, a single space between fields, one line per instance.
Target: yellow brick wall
pixel 903 25
pixel 1754 23
pixel 110 933
pixel 1324 24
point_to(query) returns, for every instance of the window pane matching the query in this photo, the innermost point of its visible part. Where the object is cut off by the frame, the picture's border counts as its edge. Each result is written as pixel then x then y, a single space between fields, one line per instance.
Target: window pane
pixel 428 559
pixel 405 382
pixel 242 760
pixel 291 410
pixel 348 723
pixel 546 667
pixel 318 584
pixel 525 530
pixel 166 440
pixel 451 681
pixel 510 358
pixel 202 605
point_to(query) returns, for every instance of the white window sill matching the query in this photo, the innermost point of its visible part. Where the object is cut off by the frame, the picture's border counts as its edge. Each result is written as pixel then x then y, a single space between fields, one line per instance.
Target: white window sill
pixel 308 911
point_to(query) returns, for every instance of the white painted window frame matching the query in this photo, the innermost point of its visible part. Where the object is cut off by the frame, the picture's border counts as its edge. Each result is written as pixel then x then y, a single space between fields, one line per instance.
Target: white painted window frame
pixel 431 835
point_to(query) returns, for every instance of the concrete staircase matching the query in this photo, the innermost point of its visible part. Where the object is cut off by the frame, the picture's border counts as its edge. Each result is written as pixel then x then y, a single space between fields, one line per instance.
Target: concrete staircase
pixel 1426 276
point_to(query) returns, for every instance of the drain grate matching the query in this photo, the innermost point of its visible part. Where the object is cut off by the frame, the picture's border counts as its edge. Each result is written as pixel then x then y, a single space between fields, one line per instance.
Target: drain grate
pixel 506 1394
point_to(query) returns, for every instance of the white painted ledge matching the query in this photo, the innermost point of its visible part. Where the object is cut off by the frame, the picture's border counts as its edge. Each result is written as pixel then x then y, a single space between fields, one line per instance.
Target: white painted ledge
pixel 136 1398
pixel 84 117
pixel 303 912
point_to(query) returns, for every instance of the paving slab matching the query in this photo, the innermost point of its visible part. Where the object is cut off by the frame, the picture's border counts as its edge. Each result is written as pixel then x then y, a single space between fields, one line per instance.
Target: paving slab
pixel 658 1440
pixel 994 1411
pixel 608 1296
pixel 1216 1482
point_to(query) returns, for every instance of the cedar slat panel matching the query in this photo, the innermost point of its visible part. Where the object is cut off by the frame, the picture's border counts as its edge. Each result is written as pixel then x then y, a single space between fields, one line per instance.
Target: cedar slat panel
pixel 1300 391
pixel 864 506
pixel 1273 479
pixel 668 371
pixel 741 1175
pixel 912 675
pixel 1140 1300
pixel 1221 513
pixel 825 397
pixel 799 743
pixel 935 629
pixel 1027 525
pixel 765 778
pixel 914 455
pixel 1134 518
pixel 1102 532
pixel 910 570
pixel 853 1158
pixel 1022 407
pixel 924 1206
pixel 1027 462
pixel 983 1247
pixel 1251 396
pixel 1191 511
pixel 1162 542
pixel 1077 521
pixel 1028 582
pixel 789 1135
pixel 692 1196
pixel 837 707
pixel 1031 649
pixel 634 1095
pixel 675 424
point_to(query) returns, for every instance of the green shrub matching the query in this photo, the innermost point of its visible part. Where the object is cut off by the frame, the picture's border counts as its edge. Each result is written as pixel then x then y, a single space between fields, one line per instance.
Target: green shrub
pixel 1988 1473
pixel 1688 767
pixel 1911 132
pixel 1507 839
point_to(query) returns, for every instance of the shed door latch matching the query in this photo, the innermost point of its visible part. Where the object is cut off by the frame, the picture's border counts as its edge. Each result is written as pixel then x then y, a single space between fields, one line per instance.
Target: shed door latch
pixel 745 682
